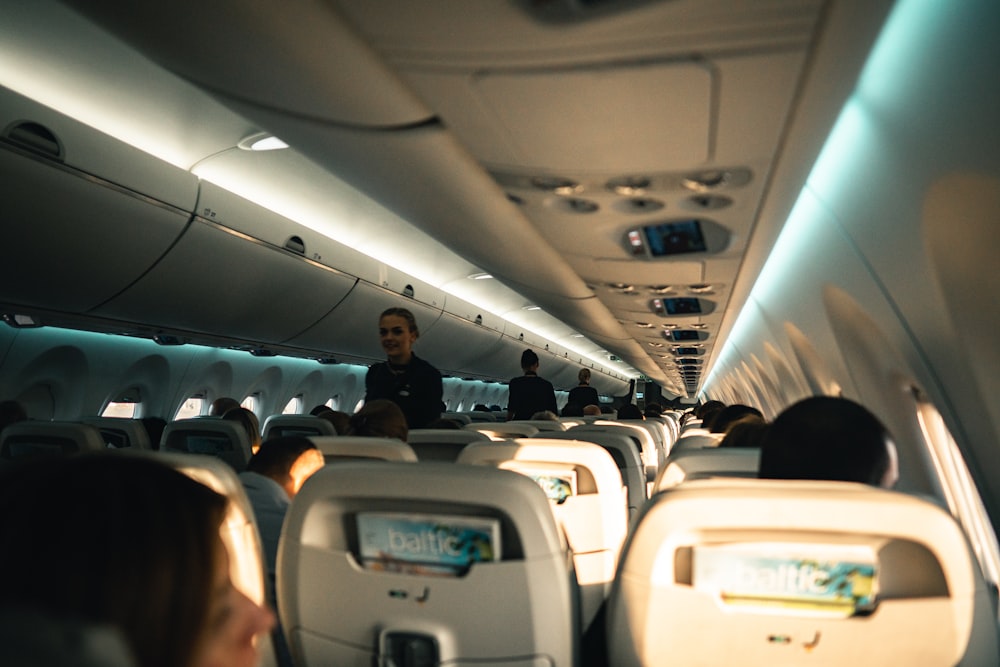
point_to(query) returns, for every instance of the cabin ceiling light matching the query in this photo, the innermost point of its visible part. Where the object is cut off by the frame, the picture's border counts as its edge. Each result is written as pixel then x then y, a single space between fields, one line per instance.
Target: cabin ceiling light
pixel 644 325
pixel 261 141
pixel 556 184
pixel 480 276
pixel 701 289
pixel 661 289
pixel 532 308
pixel 629 185
pixel 699 325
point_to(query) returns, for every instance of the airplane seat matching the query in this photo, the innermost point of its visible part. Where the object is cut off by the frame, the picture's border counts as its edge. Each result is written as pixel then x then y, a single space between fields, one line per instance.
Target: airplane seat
pixel 461 417
pixel 626 455
pixel 28 440
pixel 432 444
pixel 476 416
pixel 640 436
pixel 656 433
pixel 222 438
pixel 779 572
pixel 691 464
pixel 697 440
pixel 240 532
pixel 503 430
pixel 120 433
pixel 277 426
pixel 395 564
pixel 541 424
pixel 341 448
pixel 586 495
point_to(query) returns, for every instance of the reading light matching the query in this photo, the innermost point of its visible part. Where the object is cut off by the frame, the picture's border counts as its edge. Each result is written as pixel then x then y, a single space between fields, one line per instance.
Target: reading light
pixel 262 141
pixel 480 276
pixel 532 308
pixel 20 321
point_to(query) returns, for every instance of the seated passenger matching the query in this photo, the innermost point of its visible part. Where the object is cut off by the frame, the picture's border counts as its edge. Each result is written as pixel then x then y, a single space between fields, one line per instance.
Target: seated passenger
pixel 592 411
pixel 129 543
pixel 630 411
pixel 829 438
pixel 572 410
pixel 341 420
pixel 380 418
pixel 248 420
pixel 272 478
pixel 729 414
pixel 746 432
pixel 222 405
pixel 546 415
pixel 652 410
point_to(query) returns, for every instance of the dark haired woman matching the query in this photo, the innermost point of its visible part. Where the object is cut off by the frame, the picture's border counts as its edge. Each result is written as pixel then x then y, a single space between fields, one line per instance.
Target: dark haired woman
pixel 405 379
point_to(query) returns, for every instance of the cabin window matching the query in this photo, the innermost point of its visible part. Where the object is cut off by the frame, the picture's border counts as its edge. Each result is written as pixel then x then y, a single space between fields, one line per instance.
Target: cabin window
pixel 360 404
pixel 192 407
pixel 960 490
pixel 251 402
pixel 294 406
pixel 334 403
pixel 118 410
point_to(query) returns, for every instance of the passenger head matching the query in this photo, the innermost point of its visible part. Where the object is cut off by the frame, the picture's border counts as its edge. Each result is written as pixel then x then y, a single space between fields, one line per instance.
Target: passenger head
pixel 546 415
pixel 630 411
pixel 249 422
pixel 746 432
pixel 729 414
pixel 127 542
pixel 529 360
pixel 341 420
pixel 592 411
pixel 572 410
pixel 222 405
pixel 11 412
pixel 288 460
pixel 583 376
pixel 652 410
pixel 480 407
pixel 829 438
pixel 397 331
pixel 380 418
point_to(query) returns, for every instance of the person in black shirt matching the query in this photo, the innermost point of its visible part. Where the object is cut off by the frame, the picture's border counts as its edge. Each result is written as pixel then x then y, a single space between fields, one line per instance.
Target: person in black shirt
pixel 583 394
pixel 529 393
pixel 405 379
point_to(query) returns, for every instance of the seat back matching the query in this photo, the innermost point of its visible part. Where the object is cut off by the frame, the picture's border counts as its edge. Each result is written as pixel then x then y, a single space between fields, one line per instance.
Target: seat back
pixel 121 433
pixel 277 426
pixel 658 432
pixel 541 424
pixel 240 531
pixel 698 439
pixel 626 455
pixel 27 440
pixel 639 435
pixel 340 448
pixel 689 464
pixel 503 430
pixel 431 444
pixel 587 498
pixel 460 417
pixel 396 564
pixel 479 416
pixel 778 572
pixel 222 438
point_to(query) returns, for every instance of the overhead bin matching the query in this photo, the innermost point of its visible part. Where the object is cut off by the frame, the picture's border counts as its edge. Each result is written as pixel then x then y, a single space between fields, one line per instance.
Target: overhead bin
pixel 84 214
pixel 222 281
pixel 352 327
